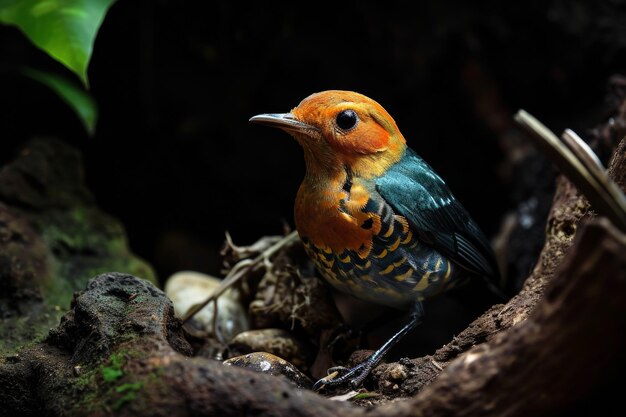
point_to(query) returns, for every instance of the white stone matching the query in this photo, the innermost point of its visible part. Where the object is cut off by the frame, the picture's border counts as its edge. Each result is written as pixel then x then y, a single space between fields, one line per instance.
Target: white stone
pixel 187 288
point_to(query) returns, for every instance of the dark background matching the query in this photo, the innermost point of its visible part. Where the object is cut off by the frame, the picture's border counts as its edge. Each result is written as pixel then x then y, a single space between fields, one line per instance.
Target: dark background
pixel 175 159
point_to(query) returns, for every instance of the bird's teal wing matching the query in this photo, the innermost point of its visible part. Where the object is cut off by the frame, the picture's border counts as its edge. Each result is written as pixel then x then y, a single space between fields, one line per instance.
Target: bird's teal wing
pixel 415 191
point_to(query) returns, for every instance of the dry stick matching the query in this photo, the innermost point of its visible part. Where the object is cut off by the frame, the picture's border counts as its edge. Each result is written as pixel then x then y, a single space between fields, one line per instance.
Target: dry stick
pixel 236 273
pixel 595 167
pixel 582 150
pixel 578 162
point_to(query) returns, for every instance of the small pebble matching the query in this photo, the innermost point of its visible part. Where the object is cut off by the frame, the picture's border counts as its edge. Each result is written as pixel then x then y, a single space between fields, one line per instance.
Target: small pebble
pixel 273 365
pixel 187 288
pixel 397 372
pixel 276 341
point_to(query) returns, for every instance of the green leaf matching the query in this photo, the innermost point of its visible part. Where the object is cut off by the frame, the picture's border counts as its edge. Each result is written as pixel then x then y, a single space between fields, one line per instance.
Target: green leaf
pixel 111 374
pixel 129 387
pixel 78 99
pixel 365 395
pixel 65 29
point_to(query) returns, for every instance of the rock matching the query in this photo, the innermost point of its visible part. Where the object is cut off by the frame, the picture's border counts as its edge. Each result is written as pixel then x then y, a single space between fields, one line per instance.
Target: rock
pixel 86 362
pixel 147 312
pixel 53 238
pixel 397 372
pixel 25 263
pixel 278 342
pixel 121 351
pixel 272 365
pixel 187 288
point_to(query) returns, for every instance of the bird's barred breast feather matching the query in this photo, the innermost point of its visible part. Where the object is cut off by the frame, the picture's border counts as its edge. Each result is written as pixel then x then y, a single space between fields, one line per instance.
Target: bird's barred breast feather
pixel 409 237
pixel 389 265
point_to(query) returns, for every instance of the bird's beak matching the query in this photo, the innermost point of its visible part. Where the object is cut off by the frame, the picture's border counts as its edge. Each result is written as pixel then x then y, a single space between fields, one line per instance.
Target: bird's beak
pixel 285 121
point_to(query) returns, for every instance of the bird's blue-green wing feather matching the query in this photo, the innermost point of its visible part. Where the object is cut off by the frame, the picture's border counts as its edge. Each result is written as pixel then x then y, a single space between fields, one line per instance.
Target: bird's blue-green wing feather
pixel 416 192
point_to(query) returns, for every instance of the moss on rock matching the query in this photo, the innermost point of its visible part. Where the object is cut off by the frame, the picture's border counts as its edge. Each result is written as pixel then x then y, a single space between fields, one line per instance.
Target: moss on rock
pixel 53 239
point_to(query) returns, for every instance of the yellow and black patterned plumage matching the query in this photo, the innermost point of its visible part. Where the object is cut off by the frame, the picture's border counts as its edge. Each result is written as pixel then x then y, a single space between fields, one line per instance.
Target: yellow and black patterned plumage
pixel 394 268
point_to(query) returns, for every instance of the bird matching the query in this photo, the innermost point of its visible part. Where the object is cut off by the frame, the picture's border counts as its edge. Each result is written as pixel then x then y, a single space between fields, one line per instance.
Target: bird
pixel 377 221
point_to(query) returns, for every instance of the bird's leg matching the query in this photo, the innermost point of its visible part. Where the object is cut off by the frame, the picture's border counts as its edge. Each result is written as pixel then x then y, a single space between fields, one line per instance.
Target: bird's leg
pixel 357 374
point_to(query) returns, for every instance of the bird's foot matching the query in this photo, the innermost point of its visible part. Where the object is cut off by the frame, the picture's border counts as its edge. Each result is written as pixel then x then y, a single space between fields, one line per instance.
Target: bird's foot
pixel 339 376
pixel 356 375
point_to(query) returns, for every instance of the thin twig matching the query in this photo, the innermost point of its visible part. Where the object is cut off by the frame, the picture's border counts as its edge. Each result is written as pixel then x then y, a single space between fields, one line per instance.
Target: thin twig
pixel 237 272
pixel 578 162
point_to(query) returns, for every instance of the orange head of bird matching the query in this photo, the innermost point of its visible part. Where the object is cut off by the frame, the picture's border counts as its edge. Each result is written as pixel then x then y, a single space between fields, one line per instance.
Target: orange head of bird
pixel 341 129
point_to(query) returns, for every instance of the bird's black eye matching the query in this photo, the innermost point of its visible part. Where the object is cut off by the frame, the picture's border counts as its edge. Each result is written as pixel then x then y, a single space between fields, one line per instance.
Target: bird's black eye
pixel 347 119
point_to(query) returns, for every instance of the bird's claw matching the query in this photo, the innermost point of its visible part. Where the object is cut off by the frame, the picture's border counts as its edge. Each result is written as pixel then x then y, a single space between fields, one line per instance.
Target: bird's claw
pixel 340 375
pixel 327 380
